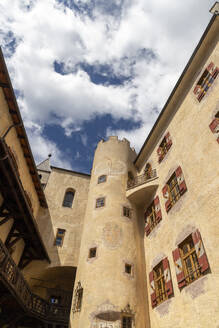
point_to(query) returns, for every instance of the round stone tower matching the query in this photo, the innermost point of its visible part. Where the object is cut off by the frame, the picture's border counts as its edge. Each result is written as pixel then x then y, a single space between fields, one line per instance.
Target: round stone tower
pixel 105 293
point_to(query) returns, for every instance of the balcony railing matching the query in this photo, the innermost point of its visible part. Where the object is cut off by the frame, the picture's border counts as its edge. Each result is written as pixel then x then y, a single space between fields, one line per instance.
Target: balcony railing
pixel 33 304
pixel 141 179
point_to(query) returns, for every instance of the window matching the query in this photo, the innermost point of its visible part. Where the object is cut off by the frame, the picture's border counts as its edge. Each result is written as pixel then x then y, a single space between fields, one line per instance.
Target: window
pixel 153 215
pixel 59 237
pixel 126 322
pixel 131 180
pixel 127 212
pixel 128 268
pixel 55 299
pixel 160 283
pixel 164 147
pixel 148 171
pixel 205 81
pixel 102 179
pixel 174 188
pixel 68 199
pixel 78 296
pixel 214 126
pixel 92 252
pixel 190 260
pixel 100 202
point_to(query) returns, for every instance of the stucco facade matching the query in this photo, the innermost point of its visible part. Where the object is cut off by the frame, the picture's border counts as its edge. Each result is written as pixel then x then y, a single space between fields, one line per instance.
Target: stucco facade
pixel 133 244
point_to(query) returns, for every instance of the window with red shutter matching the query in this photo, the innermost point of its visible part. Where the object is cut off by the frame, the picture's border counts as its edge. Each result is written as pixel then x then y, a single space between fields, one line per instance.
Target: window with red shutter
pixel 206 80
pixel 190 260
pixel 164 147
pixel 160 283
pixel 214 126
pixel 152 289
pixel 153 215
pixel 174 188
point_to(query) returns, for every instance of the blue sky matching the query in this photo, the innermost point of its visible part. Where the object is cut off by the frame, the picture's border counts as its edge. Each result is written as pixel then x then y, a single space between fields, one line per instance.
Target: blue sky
pixel 87 69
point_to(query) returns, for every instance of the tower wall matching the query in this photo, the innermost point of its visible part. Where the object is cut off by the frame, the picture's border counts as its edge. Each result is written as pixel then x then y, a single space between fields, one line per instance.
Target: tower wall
pixel 107 288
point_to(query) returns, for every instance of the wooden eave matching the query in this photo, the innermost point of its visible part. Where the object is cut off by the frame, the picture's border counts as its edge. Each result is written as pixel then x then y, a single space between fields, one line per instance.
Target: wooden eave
pixel 189 73
pixel 5 84
pixel 15 202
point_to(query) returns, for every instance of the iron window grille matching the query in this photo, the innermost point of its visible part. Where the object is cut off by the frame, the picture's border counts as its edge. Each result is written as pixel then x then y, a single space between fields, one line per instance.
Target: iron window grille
pixel 100 202
pixel 126 321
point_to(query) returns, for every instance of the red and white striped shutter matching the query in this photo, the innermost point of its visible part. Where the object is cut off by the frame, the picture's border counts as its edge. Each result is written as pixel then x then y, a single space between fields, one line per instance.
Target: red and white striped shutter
pixel 214 126
pixel 168 140
pixel 160 154
pixel 147 225
pixel 157 209
pixel 167 277
pixel 166 195
pixel 152 289
pixel 200 251
pixel 179 268
pixel 180 180
pixel 211 68
pixel 197 90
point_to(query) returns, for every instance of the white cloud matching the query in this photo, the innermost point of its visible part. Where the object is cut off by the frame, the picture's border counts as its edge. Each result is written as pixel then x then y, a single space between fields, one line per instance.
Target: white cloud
pixel 47 31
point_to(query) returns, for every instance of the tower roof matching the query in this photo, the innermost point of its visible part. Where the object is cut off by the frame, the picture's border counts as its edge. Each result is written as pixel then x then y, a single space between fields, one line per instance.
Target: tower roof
pixel 44 165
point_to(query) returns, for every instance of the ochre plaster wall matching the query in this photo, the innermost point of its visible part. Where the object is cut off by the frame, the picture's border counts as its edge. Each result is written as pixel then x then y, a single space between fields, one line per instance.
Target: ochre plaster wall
pixel 195 149
pixel 70 219
pixel 107 288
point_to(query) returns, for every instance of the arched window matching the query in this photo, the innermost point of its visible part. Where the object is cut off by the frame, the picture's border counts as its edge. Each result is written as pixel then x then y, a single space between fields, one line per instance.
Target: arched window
pixel 68 199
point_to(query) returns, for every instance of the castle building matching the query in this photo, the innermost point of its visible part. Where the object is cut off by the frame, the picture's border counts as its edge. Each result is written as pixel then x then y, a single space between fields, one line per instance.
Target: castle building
pixel 133 244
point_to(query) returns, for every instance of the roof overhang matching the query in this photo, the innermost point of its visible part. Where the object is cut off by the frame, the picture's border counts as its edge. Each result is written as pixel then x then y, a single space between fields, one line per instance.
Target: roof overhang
pixel 6 85
pixel 16 203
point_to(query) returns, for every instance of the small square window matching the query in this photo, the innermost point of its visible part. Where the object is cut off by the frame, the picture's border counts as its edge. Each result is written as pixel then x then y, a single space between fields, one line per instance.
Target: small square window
pixel 92 252
pixel 100 202
pixel 102 179
pixel 128 268
pixel 126 322
pixel 59 237
pixel 127 212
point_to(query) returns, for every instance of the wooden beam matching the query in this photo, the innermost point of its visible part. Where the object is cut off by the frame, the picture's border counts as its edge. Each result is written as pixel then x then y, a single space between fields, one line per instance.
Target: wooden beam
pixel 8 239
pixel 4 85
pixel 20 136
pixel 6 219
pixel 13 242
